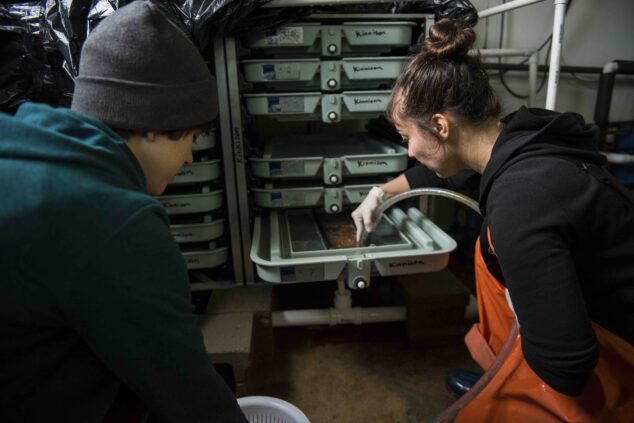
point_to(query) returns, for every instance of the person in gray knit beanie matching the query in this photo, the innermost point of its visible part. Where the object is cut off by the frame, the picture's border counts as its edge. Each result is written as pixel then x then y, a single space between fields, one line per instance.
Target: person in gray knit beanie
pixel 142 76
pixel 95 297
pixel 140 71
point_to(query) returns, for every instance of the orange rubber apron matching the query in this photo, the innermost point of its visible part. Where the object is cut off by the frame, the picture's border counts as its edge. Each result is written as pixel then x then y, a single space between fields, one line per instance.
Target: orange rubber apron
pixel 516 394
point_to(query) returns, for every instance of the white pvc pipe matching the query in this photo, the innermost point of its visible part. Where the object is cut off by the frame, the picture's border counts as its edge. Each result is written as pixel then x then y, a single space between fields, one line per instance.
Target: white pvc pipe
pixel 497 52
pixel 382 314
pixel 302 317
pixel 332 317
pixel 610 67
pixel 532 65
pixel 532 78
pixel 618 158
pixel 555 53
pixel 505 7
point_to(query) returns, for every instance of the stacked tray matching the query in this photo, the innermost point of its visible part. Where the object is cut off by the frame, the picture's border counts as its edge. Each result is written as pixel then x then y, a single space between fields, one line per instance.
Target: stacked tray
pixel 191 201
pixel 194 200
pixel 328 108
pixel 202 171
pixel 207 257
pixel 205 142
pixel 306 246
pixel 328 75
pixel 293 195
pixel 349 38
pixel 332 158
pixel 197 230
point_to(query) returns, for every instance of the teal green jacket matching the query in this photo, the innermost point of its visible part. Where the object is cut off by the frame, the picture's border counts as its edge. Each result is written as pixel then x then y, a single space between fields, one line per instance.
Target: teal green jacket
pixel 94 294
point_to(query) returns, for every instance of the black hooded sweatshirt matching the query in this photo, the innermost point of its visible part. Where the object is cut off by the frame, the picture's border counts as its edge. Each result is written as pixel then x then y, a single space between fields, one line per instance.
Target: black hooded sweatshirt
pixel 563 232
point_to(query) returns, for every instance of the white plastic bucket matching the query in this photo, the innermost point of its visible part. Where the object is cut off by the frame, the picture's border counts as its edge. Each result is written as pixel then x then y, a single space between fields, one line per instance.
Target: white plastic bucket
pixel 261 409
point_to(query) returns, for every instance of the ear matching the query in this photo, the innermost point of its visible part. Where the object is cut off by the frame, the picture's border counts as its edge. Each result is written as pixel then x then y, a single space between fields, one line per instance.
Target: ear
pixel 440 124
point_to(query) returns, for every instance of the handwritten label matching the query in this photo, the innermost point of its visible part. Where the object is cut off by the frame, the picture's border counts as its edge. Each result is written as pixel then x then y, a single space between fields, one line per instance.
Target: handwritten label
pixel 366 68
pixel 357 197
pixel 370 32
pixel 407 263
pixel 367 100
pixel 168 205
pixel 237 144
pixel 362 163
pixel 182 234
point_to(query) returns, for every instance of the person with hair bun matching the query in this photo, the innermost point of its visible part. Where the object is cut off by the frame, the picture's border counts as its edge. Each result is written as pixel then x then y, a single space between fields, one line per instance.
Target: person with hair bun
pixel 556 248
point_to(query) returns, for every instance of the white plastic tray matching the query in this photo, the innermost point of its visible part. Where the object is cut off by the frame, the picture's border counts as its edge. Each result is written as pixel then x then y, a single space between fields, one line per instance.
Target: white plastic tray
pixel 206 259
pixel 332 157
pixel 334 40
pixel 205 141
pixel 317 106
pixel 192 203
pixel 332 199
pixel 196 232
pixel 280 258
pixel 198 172
pixel 329 75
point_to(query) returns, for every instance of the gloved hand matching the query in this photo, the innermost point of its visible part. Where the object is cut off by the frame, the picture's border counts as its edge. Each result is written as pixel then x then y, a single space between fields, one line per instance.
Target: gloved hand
pixel 365 214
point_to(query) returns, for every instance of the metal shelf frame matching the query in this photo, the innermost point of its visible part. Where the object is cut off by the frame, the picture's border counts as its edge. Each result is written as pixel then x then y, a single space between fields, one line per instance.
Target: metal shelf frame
pixel 243 213
pixel 238 144
pixel 228 160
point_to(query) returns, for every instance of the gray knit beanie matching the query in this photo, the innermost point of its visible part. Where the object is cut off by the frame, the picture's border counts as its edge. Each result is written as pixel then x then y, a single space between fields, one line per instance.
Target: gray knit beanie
pixel 140 71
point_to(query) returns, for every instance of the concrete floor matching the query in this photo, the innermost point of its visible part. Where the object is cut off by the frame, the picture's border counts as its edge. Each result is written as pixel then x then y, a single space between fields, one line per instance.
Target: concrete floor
pixel 358 374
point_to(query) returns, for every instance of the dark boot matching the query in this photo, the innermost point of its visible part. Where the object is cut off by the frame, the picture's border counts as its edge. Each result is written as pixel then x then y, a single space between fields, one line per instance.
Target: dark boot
pixel 460 381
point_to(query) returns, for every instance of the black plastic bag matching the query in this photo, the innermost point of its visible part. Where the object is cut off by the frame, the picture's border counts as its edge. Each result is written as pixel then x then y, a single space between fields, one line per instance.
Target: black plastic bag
pixel 461 10
pixel 27 69
pixel 42 39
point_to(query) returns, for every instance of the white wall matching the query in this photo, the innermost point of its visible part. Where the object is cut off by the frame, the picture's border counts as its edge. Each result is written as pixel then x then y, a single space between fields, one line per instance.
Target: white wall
pixel 595 33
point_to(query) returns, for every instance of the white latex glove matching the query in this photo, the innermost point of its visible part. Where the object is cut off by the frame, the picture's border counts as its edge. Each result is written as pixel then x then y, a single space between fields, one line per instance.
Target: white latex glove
pixel 364 215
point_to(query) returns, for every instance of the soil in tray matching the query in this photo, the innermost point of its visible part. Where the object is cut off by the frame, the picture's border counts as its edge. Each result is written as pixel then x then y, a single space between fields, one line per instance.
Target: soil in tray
pixel 340 232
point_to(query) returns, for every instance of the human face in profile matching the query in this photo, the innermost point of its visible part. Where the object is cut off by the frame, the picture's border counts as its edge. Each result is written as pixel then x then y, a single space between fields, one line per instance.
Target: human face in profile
pixel 161 156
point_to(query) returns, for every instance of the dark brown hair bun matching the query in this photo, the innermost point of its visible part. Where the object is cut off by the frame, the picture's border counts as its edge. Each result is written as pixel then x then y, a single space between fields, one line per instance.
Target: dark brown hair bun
pixel 448 39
